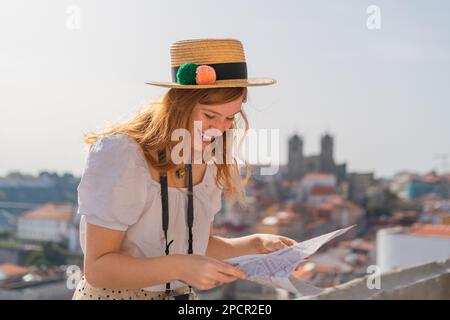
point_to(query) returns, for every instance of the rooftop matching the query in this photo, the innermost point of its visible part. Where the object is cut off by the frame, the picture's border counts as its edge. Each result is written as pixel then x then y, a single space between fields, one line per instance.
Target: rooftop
pixel 323 190
pixel 317 175
pixel 50 211
pixel 11 270
pixel 430 230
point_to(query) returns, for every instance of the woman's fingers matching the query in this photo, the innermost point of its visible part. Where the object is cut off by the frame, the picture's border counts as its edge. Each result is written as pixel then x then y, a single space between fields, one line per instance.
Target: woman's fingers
pixel 276 246
pixel 231 270
pixel 281 245
pixel 287 241
pixel 224 273
pixel 225 278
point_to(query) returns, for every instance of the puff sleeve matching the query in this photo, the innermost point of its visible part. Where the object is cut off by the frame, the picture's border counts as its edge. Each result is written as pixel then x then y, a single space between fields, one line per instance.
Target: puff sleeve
pixel 113 189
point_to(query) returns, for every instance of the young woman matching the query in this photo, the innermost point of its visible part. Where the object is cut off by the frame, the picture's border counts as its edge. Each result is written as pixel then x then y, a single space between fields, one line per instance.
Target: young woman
pixel 146 215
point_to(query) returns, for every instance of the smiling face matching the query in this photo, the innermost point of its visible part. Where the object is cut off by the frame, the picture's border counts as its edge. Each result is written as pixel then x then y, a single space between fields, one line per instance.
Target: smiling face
pixel 215 119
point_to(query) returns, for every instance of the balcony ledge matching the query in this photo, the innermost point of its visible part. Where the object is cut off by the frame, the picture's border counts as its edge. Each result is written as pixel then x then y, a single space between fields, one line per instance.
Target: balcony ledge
pixel 427 281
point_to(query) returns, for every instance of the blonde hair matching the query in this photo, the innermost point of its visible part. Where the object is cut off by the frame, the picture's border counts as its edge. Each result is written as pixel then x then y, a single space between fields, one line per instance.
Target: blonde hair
pixel 153 126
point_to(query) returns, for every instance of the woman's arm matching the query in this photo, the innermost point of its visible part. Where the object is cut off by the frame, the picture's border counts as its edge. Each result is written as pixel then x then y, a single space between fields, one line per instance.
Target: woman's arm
pixel 224 248
pixel 106 267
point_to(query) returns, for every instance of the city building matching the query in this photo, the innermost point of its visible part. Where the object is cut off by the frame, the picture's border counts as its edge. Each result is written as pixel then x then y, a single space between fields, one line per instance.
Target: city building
pixel 299 164
pixel 314 180
pixel 411 186
pixel 399 183
pixel 430 183
pixel 360 184
pixel 7 221
pixel 436 211
pixel 50 222
pixel 319 195
pixel 401 247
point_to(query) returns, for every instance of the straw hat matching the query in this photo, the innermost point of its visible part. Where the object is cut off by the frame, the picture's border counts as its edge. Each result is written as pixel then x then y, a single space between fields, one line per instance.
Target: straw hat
pixel 209 63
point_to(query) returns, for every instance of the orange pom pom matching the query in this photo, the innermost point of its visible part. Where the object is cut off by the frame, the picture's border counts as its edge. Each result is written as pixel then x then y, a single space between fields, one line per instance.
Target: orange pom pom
pixel 205 75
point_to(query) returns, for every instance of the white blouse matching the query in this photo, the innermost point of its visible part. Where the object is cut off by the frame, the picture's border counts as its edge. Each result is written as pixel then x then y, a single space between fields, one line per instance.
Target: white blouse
pixel 117 191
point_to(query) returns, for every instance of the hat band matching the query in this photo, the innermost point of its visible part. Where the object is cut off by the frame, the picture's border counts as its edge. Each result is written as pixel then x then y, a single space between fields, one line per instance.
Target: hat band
pixel 224 71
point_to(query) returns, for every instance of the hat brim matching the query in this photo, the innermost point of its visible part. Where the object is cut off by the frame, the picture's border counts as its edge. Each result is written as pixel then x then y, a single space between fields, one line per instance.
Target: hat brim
pixel 249 82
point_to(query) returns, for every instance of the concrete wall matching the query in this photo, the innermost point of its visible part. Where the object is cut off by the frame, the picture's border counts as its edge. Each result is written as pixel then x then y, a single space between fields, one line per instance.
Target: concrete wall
pixel 427 281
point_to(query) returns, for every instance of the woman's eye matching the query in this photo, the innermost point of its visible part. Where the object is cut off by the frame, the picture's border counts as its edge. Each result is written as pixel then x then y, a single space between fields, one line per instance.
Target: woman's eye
pixel 230 119
pixel 209 116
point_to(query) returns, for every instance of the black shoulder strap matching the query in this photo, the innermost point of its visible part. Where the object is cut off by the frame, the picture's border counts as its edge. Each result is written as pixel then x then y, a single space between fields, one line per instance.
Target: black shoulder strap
pixel 165 208
pixel 190 210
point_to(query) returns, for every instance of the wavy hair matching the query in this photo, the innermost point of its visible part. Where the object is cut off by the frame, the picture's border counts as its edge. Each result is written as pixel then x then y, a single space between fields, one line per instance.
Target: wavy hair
pixel 153 125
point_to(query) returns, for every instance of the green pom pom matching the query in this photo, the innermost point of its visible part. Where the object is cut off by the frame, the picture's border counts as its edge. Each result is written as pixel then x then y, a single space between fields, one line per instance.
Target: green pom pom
pixel 186 73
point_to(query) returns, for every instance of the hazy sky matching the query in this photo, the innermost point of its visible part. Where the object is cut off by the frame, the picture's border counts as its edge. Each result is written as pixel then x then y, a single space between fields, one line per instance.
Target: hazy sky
pixel 383 94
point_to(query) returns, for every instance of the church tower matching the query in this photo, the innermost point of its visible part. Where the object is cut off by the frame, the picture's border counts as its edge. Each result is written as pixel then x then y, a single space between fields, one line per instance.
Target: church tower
pixel 326 154
pixel 295 161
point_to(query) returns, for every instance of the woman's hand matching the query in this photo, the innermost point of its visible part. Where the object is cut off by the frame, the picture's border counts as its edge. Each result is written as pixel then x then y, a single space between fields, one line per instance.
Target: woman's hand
pixel 267 243
pixel 204 273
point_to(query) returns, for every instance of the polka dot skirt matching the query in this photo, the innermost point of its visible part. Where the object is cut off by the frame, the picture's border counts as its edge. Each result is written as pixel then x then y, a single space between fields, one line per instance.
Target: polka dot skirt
pixel 85 291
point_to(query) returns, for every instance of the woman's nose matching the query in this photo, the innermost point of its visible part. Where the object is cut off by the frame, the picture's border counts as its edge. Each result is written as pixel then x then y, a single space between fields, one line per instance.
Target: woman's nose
pixel 218 125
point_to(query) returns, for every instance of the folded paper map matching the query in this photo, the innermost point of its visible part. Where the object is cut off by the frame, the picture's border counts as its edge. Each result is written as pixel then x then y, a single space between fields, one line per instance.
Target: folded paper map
pixel 274 269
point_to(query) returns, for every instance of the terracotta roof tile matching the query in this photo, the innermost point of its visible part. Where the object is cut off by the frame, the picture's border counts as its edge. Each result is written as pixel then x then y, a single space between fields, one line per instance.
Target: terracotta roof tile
pixel 430 230
pixel 10 269
pixel 323 190
pixel 50 211
pixel 318 175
